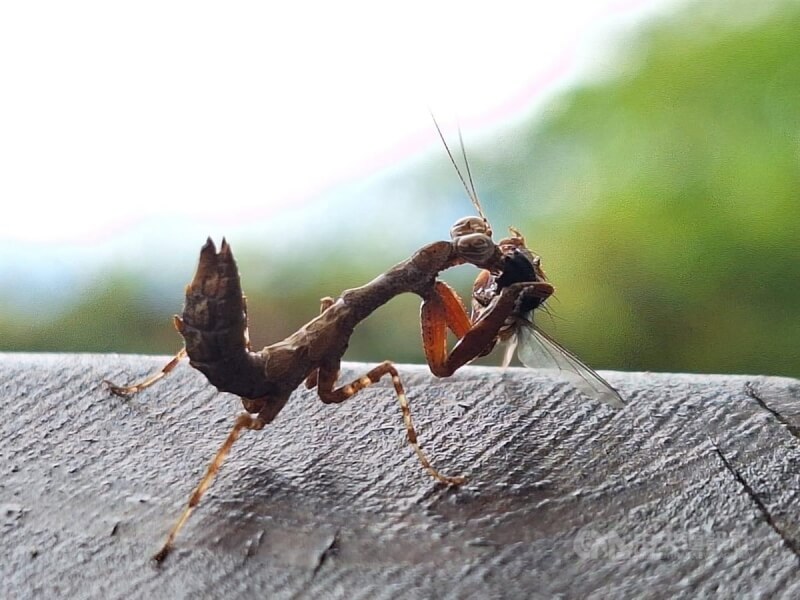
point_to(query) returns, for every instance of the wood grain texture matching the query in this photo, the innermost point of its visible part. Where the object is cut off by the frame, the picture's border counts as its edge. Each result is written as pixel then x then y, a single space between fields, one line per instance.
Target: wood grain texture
pixel 691 489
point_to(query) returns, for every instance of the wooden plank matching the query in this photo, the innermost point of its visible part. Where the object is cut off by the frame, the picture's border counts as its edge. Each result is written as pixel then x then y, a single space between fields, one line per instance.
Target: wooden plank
pixel 691 489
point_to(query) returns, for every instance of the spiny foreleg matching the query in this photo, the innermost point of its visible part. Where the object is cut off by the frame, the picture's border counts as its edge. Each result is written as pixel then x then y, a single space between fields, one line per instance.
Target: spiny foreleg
pixel 443 310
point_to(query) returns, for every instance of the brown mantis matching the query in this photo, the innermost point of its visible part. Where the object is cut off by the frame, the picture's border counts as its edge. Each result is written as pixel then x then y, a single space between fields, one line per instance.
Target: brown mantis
pixel 510 287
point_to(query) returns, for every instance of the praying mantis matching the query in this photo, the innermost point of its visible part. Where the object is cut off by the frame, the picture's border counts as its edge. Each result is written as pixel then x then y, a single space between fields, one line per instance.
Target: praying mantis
pixel 509 288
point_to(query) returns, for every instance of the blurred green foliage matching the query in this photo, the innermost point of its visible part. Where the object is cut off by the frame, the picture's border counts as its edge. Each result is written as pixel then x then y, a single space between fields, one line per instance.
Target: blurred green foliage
pixel 686 253
pixel 663 197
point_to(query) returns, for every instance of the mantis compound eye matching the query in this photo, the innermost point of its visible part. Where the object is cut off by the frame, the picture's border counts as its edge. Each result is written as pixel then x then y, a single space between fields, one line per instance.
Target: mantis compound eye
pixel 475 247
pixel 469 225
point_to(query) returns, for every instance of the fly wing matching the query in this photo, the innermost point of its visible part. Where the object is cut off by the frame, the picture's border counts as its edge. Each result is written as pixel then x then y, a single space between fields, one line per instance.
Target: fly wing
pixel 537 350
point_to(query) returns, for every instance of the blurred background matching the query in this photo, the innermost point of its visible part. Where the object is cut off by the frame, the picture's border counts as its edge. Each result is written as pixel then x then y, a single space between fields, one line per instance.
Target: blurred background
pixel 649 151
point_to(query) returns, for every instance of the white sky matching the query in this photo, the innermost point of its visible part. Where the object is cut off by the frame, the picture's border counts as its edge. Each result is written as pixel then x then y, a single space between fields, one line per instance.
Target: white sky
pixel 114 112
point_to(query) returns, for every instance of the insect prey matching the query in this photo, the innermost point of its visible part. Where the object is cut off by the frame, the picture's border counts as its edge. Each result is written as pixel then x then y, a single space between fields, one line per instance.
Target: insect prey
pixel 521 267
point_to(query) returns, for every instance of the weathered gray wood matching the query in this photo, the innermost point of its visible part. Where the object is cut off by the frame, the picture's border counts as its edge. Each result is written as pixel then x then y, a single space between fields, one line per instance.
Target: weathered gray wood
pixel 691 489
